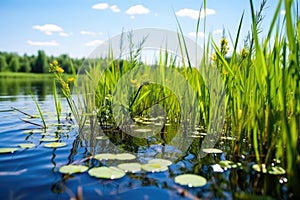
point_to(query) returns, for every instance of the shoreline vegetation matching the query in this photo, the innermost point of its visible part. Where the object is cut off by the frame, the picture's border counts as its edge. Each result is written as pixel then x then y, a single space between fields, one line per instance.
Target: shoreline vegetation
pixel 15 63
pixel 25 75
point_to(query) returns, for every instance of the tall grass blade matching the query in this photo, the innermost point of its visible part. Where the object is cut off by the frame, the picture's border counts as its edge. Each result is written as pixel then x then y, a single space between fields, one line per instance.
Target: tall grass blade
pixel 40 111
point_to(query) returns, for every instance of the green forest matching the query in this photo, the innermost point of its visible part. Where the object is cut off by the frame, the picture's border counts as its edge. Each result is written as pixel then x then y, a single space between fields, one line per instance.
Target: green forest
pixel 12 62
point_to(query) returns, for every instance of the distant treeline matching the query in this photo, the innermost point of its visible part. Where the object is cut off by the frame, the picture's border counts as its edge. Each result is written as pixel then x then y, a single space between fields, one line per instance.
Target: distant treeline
pixel 12 62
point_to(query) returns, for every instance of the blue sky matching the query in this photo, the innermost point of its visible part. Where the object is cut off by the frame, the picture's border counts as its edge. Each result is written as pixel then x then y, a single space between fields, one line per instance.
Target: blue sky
pixel 77 27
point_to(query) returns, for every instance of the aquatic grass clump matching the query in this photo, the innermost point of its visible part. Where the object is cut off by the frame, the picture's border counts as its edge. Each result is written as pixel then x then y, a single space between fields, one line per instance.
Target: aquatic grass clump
pixel 263 92
pixel 64 83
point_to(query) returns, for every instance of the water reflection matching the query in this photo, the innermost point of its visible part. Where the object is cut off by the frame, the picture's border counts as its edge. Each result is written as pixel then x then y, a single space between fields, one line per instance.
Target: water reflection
pixel 11 88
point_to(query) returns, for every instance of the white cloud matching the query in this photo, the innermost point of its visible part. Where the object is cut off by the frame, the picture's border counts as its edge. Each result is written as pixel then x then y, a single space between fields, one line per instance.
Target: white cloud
pixel 282 12
pixel 137 10
pixel 63 34
pixel 94 43
pixel 87 33
pixel 48 28
pixel 104 6
pixel 114 8
pixel 90 33
pixel 200 34
pixel 100 6
pixel 45 43
pixel 194 14
pixel 217 31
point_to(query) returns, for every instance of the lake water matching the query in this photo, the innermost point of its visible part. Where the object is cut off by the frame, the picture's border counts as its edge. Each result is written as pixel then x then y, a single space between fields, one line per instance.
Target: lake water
pixel 34 173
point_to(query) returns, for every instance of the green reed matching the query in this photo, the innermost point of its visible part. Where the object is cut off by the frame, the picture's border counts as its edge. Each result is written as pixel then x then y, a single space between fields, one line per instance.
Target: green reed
pixel 40 112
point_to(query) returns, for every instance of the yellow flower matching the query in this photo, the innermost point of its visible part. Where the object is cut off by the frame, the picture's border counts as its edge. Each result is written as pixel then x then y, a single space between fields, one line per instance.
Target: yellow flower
pixel 59 69
pixel 71 79
pixel 244 53
pixel 133 81
pixel 213 57
pixel 55 62
pixel 224 42
pixel 224 46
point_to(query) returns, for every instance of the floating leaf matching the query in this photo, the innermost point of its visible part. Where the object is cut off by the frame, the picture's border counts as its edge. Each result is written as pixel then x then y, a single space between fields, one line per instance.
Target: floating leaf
pixel 212 150
pixel 105 156
pixel 62 131
pixel 110 156
pixel 258 168
pixel 228 138
pixel 229 164
pixel 49 134
pixel 30 131
pixel 275 170
pixel 154 167
pixel 124 156
pixel 72 169
pixel 160 161
pixel 49 139
pixel 191 180
pixel 130 167
pixel 106 172
pixel 8 150
pixel 26 145
pixel 55 144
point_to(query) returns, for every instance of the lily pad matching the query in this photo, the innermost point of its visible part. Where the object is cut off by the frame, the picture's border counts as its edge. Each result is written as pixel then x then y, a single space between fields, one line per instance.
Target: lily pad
pixel 130 167
pixel 49 134
pixel 154 167
pixel 275 170
pixel 229 164
pixel 49 139
pixel 8 150
pixel 191 180
pixel 26 145
pixel 30 131
pixel 62 131
pixel 55 144
pixel 124 156
pixel 106 172
pixel 160 161
pixel 72 169
pixel 212 150
pixel 258 168
pixel 228 138
pixel 105 156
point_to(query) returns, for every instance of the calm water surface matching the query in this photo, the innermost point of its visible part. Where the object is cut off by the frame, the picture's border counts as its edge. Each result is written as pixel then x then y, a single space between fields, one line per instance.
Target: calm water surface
pixel 33 173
